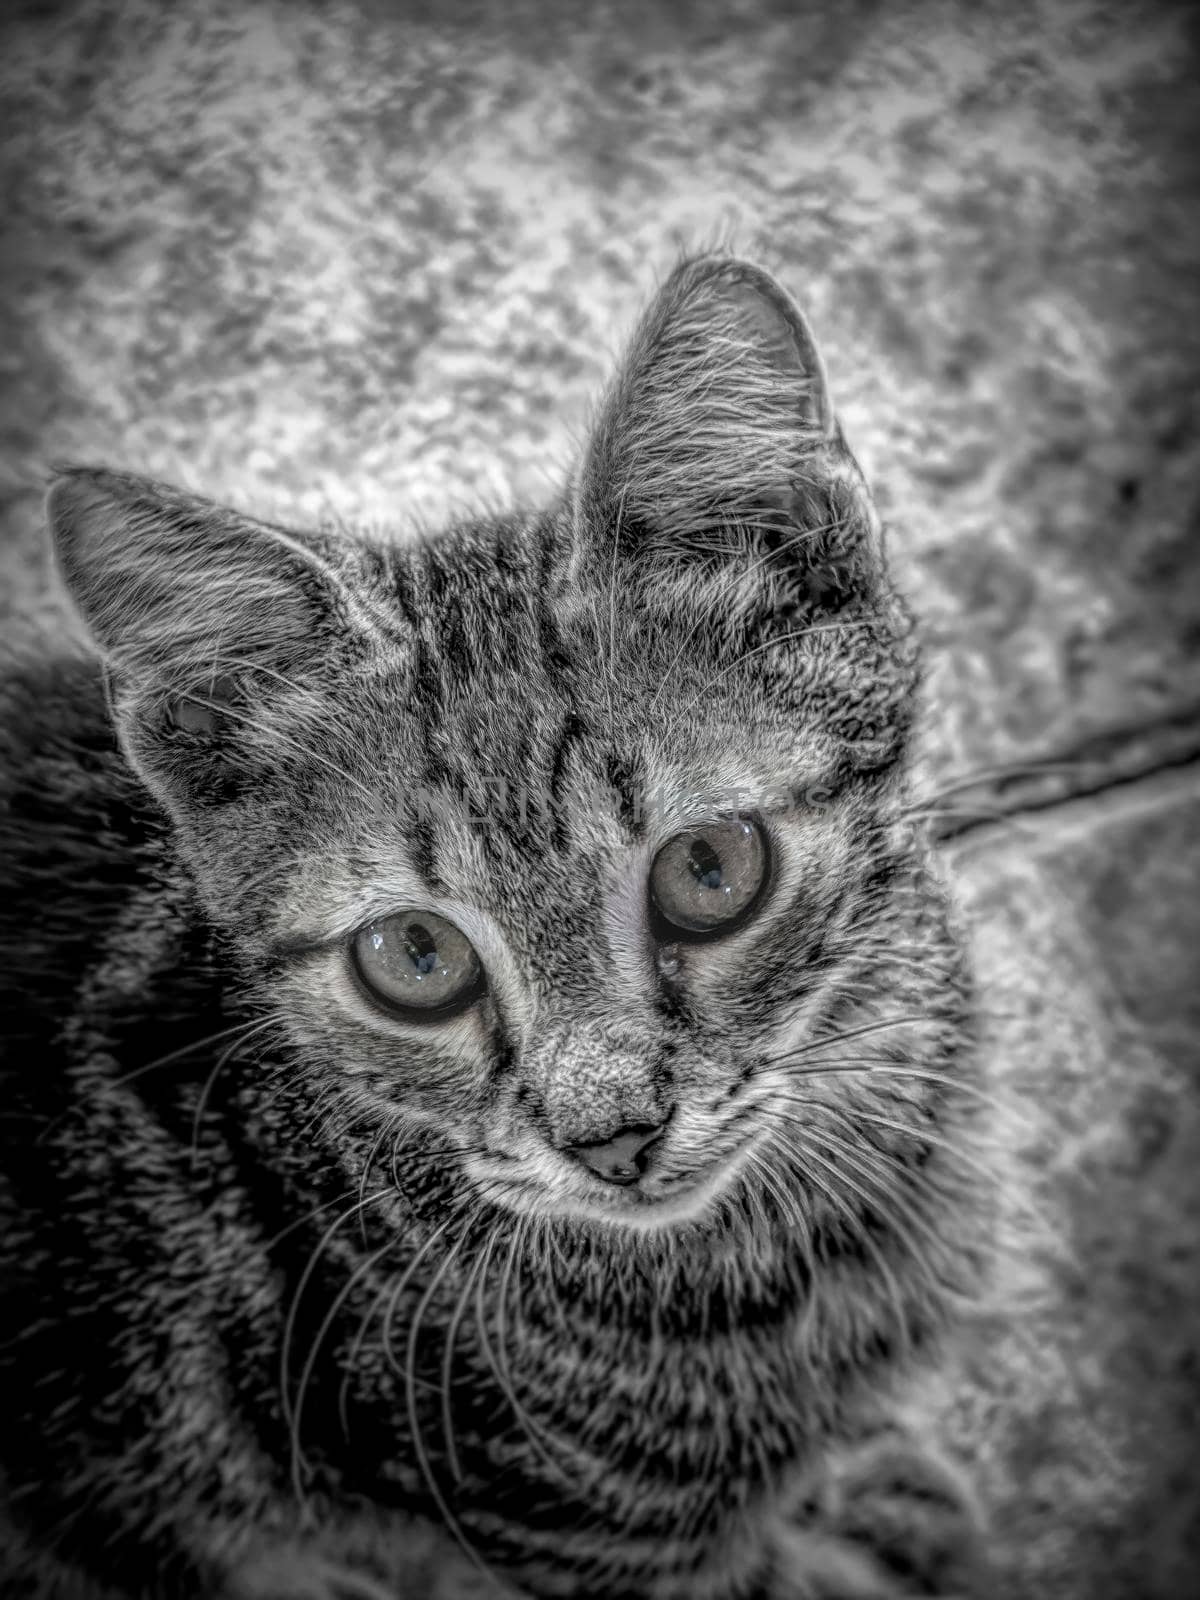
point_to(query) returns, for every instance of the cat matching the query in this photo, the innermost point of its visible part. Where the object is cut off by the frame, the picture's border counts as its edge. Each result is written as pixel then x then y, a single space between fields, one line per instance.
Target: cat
pixel 491 1073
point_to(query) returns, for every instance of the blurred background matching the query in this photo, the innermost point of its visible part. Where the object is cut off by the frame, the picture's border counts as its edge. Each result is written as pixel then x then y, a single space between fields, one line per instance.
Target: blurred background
pixel 370 261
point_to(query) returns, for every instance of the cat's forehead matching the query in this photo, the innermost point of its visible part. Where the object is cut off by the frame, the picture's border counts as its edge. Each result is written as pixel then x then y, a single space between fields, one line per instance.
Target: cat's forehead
pixel 507 672
pixel 499 753
pixel 539 836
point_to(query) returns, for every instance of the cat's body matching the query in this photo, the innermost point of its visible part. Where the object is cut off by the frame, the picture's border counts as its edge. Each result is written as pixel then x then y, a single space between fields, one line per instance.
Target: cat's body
pixel 282 1302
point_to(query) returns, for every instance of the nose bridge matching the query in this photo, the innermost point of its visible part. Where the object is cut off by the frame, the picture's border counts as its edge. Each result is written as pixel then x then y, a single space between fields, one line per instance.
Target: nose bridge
pixel 589 1082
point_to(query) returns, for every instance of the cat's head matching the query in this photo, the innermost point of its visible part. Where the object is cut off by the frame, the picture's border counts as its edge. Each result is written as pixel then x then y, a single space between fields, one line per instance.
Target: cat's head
pixel 554 836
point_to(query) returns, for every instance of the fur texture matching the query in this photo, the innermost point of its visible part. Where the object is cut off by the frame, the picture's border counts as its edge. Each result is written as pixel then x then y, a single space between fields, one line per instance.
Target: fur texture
pixel 292 1284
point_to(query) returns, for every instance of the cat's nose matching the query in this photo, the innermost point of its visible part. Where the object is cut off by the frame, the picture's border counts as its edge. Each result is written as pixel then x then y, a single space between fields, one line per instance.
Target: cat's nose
pixel 623 1158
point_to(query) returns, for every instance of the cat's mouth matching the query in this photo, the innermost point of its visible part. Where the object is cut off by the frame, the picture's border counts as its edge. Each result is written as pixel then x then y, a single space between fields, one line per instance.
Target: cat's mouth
pixel 660 1201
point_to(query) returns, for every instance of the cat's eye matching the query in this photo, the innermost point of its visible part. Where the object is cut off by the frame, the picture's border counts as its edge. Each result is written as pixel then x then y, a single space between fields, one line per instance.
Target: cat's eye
pixel 417 963
pixel 708 880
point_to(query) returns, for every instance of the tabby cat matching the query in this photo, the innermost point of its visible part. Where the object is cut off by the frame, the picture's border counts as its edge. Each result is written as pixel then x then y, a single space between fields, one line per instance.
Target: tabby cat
pixel 489 1095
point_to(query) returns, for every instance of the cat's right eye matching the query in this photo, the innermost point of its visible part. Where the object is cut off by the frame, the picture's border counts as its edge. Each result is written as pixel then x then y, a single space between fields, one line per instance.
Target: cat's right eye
pixel 417 964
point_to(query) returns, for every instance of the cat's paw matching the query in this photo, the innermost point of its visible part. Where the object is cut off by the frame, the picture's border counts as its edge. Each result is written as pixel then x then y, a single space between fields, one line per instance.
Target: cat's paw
pixel 892 1519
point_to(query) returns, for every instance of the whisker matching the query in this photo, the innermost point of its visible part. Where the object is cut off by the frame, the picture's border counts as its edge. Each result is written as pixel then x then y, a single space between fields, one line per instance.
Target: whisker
pixel 1024 1202
pixel 448 1365
pixel 333 1115
pixel 840 1066
pixel 152 1066
pixel 327 1098
pixel 498 1359
pixel 350 1365
pixel 294 1309
pixel 921 1133
pixel 861 1232
pixel 768 1180
pixel 202 1098
pixel 881 1026
pixel 935 1139
pixel 390 1292
pixel 300 1222
pixel 881 1194
pixel 372 1155
pixel 410 1389
pixel 279 1079
pixel 397 1145
pixel 339 1300
pixel 395 1291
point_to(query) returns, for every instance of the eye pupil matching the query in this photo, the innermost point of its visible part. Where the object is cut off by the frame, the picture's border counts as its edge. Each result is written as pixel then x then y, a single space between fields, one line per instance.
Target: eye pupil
pixel 705 865
pixel 421 948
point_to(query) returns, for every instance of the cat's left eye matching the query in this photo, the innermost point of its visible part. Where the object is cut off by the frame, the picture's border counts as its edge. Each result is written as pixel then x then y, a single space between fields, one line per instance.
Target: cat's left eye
pixel 707 881
pixel 418 964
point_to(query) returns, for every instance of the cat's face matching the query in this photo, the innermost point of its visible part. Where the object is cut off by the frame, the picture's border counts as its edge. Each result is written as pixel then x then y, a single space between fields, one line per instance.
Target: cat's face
pixel 549 837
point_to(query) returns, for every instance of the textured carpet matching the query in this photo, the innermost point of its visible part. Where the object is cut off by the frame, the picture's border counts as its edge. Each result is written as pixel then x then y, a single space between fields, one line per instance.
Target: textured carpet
pixel 370 261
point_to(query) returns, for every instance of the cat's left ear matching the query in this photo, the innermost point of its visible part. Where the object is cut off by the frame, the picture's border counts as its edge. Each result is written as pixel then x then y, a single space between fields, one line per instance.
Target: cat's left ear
pixel 719 430
pixel 218 630
pixel 163 578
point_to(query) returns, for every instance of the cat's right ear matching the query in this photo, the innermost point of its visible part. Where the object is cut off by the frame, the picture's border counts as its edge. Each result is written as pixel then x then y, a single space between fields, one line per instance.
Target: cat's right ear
pixel 214 626
pixel 717 441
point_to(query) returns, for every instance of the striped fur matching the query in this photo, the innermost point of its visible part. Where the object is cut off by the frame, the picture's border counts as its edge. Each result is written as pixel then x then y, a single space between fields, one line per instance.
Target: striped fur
pixel 304 1299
